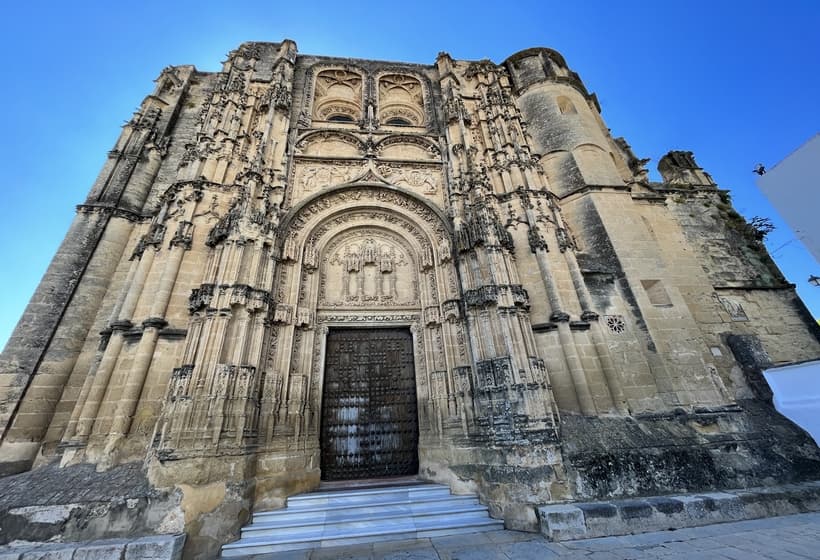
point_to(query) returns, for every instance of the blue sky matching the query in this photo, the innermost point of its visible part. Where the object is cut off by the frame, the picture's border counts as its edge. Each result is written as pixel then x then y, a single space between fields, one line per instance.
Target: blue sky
pixel 735 82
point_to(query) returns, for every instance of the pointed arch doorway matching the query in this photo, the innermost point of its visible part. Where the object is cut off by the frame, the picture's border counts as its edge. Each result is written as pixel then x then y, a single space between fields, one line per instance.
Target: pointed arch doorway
pixel 369 406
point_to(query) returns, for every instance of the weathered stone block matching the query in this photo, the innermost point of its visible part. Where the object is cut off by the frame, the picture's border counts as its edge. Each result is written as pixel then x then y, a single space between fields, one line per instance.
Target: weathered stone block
pixel 110 549
pixel 666 505
pixel 562 522
pixel 49 553
pixel 635 509
pixel 164 547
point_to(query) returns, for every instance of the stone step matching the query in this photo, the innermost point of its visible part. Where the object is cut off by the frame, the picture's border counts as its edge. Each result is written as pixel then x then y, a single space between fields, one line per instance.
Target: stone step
pixel 345 517
pixel 284 517
pixel 263 545
pixel 410 520
pixel 346 498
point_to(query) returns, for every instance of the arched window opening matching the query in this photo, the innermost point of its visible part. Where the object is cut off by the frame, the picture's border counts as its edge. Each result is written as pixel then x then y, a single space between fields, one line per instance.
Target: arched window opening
pixel 398 121
pixel 340 119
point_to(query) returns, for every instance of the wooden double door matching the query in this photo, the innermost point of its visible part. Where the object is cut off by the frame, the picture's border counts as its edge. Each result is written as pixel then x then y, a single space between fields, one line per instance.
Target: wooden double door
pixel 369 408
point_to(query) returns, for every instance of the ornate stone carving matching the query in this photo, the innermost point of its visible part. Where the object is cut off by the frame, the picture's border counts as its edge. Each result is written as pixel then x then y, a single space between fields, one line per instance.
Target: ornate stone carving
pixel 733 308
pixel 451 310
pixel 304 317
pixel 536 240
pixel 184 235
pixel 386 317
pixel 454 109
pixel 502 296
pixel 483 227
pixel 338 92
pixel 416 178
pixel 484 66
pixel 316 176
pixel 283 314
pixel 153 237
pixel 423 144
pixel 367 267
pixel 200 297
pixel 615 323
pixel 365 195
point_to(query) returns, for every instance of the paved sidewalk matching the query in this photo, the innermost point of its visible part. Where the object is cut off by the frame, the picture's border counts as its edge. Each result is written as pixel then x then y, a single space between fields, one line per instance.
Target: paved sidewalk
pixel 791 537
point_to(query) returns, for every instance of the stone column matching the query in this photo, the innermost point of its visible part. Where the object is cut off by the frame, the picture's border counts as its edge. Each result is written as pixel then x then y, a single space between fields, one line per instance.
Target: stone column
pixel 100 378
pixel 561 318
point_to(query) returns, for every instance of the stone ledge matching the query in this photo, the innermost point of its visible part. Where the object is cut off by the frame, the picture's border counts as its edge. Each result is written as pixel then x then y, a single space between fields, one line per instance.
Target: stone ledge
pixel 158 547
pixel 563 522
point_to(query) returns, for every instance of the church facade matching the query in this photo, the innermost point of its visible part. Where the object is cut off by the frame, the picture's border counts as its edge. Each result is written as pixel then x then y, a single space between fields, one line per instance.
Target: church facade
pixel 304 269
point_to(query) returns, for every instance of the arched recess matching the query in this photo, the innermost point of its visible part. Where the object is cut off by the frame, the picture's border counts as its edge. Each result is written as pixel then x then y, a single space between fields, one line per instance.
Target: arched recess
pixel 337 96
pixel 596 165
pixel 401 100
pixel 405 146
pixel 321 283
pixel 330 143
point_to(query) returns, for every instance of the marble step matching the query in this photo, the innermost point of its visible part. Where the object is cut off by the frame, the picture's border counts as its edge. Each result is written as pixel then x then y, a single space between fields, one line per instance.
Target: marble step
pixel 408 520
pixel 285 517
pixel 345 517
pixel 336 499
pixel 264 545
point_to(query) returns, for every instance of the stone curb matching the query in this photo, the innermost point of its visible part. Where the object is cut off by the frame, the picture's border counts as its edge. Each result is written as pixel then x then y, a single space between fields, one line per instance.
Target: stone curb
pixel 562 522
pixel 158 547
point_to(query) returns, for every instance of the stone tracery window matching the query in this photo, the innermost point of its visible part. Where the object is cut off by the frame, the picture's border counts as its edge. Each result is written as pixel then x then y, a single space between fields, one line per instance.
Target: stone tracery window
pixel 338 97
pixel 615 323
pixel 401 101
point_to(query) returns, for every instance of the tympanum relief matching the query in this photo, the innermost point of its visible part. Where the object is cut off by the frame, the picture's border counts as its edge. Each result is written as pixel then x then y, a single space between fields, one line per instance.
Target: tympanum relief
pixel 367 268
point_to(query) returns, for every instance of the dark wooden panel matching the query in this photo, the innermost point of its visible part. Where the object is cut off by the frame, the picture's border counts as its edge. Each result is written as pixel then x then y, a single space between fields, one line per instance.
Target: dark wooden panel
pixel 369 416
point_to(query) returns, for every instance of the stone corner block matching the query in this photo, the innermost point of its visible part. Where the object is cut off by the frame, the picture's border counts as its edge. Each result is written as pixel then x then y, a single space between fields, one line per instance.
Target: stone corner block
pixel 729 506
pixel 110 549
pixel 562 522
pixel 521 517
pixel 159 547
pixel 48 553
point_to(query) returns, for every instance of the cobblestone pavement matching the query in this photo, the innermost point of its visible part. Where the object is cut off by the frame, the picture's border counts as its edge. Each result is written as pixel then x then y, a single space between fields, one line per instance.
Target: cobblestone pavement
pixel 790 537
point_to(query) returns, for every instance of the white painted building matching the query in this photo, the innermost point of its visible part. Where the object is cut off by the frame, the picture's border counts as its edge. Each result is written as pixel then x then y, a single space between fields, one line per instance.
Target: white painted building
pixel 793 188
pixel 797 394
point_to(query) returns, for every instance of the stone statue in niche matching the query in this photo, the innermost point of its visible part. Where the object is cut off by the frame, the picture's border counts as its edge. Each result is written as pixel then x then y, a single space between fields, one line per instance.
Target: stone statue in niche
pixel 369 255
pixel 387 282
pixel 352 259
pixel 350 278
pixel 386 260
